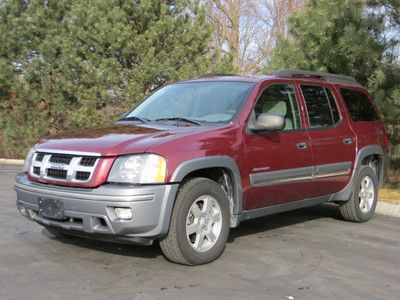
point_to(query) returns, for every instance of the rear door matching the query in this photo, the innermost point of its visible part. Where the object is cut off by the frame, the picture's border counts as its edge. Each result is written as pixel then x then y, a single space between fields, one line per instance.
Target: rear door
pixel 332 139
pixel 279 163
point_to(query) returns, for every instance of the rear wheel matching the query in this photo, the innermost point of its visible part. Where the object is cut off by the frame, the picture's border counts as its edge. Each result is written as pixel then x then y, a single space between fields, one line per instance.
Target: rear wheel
pixel 199 224
pixel 361 206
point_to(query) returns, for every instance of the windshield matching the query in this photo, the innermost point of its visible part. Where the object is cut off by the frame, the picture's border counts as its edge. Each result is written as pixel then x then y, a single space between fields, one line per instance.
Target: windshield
pixel 197 101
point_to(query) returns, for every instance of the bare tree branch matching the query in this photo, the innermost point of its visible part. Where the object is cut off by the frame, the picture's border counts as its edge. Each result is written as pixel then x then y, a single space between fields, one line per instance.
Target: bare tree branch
pixel 248 29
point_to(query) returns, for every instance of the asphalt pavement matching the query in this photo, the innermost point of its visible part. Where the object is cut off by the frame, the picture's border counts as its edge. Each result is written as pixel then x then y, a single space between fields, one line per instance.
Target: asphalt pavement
pixel 306 254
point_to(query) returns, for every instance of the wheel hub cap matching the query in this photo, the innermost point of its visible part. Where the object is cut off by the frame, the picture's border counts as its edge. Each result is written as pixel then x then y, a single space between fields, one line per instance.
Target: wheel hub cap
pixel 204 223
pixel 367 194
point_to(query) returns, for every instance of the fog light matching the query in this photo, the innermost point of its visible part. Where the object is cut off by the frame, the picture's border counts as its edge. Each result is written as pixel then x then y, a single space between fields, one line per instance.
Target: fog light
pixel 22 209
pixel 123 213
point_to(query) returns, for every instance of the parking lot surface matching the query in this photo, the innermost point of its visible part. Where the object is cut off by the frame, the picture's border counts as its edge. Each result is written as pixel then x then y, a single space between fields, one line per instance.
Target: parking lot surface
pixel 306 254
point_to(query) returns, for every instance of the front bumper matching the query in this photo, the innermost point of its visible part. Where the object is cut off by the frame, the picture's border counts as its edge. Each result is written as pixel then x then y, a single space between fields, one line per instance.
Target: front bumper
pixel 91 211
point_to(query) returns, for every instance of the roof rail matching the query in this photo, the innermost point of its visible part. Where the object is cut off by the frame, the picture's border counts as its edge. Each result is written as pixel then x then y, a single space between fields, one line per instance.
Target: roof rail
pixel 215 75
pixel 334 78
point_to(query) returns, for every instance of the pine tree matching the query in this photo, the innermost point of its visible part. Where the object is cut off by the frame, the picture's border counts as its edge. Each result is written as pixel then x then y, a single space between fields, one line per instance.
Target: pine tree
pixel 332 36
pixel 72 64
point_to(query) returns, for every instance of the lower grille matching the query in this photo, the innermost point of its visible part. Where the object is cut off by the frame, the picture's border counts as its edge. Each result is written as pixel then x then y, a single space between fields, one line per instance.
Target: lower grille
pixel 82 176
pixel 36 171
pixel 57 174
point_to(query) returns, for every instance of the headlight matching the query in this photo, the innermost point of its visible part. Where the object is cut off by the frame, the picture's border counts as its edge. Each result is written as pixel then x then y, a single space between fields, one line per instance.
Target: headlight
pixel 140 169
pixel 28 158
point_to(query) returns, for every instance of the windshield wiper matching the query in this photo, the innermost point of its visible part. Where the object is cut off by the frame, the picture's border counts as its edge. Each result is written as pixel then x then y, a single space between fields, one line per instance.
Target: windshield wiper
pixel 179 119
pixel 133 118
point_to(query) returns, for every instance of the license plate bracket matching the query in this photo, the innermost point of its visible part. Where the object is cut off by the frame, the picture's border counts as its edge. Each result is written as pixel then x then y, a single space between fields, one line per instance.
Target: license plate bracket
pixel 51 208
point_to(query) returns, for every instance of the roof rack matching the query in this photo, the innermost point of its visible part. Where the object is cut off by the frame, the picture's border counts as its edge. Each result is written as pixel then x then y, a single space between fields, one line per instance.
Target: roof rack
pixel 334 78
pixel 215 75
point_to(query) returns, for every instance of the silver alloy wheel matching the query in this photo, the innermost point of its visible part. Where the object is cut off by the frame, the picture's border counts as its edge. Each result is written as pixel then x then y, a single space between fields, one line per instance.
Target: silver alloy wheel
pixel 204 223
pixel 366 194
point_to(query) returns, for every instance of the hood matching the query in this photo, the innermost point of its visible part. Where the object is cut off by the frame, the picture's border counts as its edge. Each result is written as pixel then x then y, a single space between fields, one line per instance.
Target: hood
pixel 117 139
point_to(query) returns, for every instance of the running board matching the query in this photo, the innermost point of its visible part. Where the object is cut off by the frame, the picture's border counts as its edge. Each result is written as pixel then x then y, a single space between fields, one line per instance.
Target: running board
pixel 275 209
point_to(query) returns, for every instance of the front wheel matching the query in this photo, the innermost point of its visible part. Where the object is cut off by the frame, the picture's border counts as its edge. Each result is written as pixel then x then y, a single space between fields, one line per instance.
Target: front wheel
pixel 199 224
pixel 361 206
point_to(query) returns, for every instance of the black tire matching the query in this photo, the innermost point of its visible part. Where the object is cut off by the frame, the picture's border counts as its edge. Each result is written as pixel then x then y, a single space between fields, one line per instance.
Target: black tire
pixel 351 210
pixel 176 246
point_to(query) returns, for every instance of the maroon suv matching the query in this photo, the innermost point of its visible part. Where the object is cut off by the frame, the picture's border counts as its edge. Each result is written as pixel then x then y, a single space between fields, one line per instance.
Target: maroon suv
pixel 197 157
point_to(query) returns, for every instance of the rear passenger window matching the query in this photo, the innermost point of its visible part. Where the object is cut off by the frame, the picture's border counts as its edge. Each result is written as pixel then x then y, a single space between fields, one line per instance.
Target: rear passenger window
pixel 358 105
pixel 321 106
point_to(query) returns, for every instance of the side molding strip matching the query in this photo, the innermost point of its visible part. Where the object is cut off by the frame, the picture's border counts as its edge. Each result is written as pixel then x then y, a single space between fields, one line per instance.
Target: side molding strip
pixel 331 170
pixel 299 174
pixel 281 176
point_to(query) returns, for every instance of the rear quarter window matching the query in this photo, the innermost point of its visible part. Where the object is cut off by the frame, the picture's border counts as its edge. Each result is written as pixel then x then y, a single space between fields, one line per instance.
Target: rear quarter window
pixel 358 105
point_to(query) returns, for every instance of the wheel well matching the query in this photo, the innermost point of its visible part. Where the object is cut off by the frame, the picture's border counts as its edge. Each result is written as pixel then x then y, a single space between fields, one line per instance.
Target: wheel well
pixel 375 162
pixel 220 175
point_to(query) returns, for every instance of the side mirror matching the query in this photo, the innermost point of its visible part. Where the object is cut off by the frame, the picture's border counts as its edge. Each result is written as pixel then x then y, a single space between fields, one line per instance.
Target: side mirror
pixel 268 122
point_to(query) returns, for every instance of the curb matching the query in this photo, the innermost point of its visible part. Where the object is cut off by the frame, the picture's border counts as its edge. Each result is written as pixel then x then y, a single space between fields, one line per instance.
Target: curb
pixel 388 209
pixel 4 161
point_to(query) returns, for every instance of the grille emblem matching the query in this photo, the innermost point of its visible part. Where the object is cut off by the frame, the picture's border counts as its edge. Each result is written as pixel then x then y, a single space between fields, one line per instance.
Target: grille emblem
pixel 57 166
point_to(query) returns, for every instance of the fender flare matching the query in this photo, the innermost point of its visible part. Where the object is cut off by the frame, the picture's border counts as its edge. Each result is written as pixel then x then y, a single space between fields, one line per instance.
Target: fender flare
pixel 222 161
pixel 346 193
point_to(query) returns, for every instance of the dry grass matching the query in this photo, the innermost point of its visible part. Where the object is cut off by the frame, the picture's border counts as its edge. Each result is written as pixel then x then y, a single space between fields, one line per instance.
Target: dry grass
pixel 389 195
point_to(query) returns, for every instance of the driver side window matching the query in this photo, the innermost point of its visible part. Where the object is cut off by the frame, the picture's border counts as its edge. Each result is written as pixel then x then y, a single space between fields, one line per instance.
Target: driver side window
pixel 280 99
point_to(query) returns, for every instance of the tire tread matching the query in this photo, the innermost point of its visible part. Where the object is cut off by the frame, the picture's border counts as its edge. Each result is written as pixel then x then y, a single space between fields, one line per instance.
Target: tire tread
pixel 169 244
pixel 349 208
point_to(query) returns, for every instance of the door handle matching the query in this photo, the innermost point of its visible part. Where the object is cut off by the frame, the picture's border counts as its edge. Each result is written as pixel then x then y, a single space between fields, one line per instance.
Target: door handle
pixel 347 141
pixel 301 146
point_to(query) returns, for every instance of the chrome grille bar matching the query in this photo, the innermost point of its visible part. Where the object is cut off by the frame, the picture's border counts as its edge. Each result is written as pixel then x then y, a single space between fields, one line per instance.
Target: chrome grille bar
pixel 70 164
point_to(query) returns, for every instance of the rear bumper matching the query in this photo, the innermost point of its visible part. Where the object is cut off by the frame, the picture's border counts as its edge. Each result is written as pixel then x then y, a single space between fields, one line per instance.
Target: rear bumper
pixel 91 211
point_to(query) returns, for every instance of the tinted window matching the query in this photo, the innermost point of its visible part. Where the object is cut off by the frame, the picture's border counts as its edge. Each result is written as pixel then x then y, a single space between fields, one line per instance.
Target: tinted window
pixel 358 105
pixel 334 109
pixel 318 106
pixel 280 99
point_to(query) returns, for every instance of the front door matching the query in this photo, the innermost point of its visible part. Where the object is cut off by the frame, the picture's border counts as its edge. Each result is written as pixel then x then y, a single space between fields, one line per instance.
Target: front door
pixel 279 163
